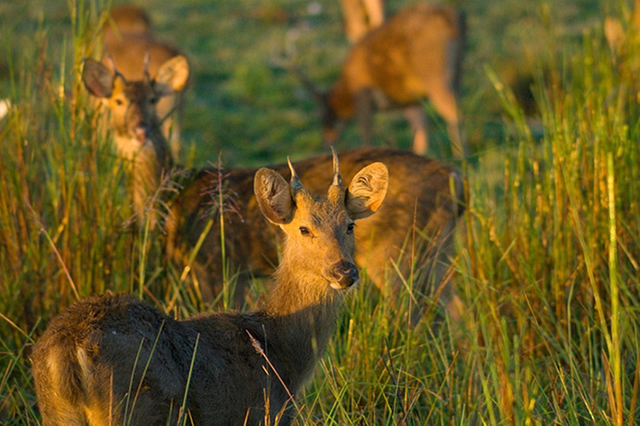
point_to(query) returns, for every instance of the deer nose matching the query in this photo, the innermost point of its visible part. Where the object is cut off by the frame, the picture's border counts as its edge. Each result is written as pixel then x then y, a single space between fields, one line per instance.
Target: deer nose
pixel 345 274
pixel 141 133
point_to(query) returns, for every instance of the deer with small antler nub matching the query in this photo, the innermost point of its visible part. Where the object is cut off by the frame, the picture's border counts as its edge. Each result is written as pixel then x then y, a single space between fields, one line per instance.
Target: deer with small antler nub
pixel 129 37
pixel 115 360
pixel 133 109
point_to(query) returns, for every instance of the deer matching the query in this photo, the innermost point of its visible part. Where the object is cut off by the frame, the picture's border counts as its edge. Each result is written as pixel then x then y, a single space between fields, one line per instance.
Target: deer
pixel 113 359
pixel 128 37
pixel 420 214
pixel 133 107
pixel 415 55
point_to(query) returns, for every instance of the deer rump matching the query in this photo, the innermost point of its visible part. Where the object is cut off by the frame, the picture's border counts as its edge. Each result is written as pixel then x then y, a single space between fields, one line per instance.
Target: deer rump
pixel 89 364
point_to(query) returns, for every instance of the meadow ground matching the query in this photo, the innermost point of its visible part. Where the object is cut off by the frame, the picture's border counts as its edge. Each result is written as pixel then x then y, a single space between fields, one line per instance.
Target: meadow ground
pixel 548 251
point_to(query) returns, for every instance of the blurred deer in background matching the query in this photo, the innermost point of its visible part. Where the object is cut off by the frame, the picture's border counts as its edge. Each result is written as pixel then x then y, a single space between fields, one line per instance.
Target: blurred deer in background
pixel 616 34
pixel 416 54
pixel 116 360
pixel 128 38
pixel 134 120
pixel 127 21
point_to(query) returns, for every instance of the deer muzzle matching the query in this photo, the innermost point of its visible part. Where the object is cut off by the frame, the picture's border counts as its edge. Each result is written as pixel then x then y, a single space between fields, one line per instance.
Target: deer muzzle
pixel 141 133
pixel 344 274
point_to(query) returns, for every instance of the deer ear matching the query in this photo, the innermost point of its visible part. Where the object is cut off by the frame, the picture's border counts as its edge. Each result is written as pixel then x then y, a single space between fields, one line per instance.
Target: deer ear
pixel 367 191
pixel 274 196
pixel 172 76
pixel 97 78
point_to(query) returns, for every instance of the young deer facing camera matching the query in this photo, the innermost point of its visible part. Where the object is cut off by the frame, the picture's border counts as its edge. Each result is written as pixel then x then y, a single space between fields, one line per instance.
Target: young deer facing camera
pixel 416 54
pixel 128 37
pixel 116 360
pixel 134 119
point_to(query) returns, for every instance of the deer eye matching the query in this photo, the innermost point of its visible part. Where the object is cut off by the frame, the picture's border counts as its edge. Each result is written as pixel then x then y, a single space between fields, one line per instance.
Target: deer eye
pixel 304 230
pixel 119 101
pixel 350 228
pixel 153 101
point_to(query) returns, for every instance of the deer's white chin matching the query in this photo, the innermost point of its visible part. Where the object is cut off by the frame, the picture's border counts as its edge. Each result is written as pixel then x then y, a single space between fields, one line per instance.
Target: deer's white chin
pixel 337 286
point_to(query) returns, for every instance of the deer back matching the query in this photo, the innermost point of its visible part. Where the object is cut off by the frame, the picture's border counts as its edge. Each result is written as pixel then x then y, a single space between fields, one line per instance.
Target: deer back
pixel 126 20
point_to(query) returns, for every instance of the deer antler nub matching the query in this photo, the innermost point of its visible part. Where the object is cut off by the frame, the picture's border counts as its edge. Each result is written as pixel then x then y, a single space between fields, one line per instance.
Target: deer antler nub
pixel 147 58
pixel 296 184
pixel 337 178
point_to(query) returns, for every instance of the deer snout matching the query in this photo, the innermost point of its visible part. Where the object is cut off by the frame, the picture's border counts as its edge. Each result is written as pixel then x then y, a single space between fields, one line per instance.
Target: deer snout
pixel 344 275
pixel 141 133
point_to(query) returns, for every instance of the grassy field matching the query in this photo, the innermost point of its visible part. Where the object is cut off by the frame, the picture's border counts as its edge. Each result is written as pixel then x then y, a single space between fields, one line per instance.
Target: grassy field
pixel 548 258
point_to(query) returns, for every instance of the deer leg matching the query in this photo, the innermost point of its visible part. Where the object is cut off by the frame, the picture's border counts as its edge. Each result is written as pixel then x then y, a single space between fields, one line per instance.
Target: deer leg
pixel 445 103
pixel 416 117
pixel 365 116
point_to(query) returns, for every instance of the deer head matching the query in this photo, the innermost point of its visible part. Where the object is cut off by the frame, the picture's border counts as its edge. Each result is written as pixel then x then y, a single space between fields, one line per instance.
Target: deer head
pixel 320 231
pixel 133 103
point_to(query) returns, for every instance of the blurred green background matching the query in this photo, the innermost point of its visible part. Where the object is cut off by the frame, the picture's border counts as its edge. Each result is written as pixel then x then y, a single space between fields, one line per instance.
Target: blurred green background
pixel 241 102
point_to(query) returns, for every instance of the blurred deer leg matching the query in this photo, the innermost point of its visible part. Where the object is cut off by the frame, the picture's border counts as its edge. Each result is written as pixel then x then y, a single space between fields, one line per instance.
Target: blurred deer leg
pixel 355 19
pixel 365 116
pixel 375 12
pixel 416 117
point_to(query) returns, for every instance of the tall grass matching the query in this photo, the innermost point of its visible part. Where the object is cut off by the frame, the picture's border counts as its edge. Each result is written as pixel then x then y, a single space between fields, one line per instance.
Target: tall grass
pixel 62 206
pixel 548 254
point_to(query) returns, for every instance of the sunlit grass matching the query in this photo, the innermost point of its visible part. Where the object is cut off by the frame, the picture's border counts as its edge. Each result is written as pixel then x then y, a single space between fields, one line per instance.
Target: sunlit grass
pixel 548 252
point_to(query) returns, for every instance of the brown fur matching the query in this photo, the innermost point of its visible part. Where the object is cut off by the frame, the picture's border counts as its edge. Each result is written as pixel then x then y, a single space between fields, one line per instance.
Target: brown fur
pixel 128 39
pixel 116 360
pixel 416 54
pixel 419 204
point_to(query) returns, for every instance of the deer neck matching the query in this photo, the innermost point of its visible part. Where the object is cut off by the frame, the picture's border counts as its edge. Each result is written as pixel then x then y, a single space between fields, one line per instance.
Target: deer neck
pixel 147 163
pixel 301 314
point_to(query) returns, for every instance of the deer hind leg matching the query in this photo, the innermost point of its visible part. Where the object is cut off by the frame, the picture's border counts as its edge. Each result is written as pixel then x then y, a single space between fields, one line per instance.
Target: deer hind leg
pixel 416 117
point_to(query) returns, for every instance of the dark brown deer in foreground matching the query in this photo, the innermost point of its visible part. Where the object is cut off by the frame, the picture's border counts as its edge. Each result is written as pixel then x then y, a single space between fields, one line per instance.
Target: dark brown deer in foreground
pixel 415 227
pixel 116 360
pixel 416 54
pixel 128 38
